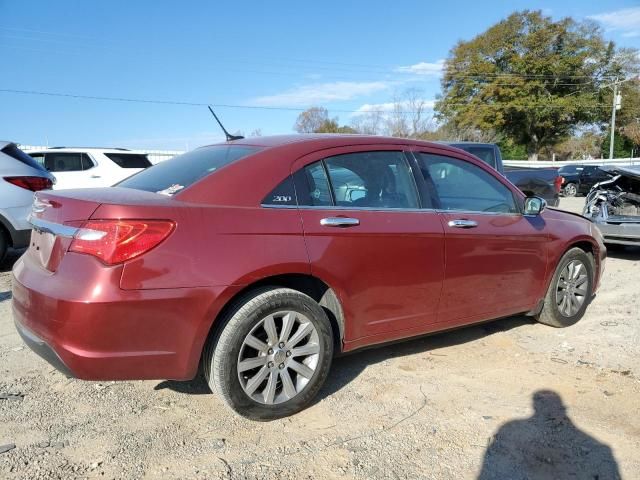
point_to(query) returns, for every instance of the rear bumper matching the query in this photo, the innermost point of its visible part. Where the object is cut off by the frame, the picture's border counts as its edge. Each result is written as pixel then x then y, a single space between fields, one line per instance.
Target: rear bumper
pixel 40 347
pixel 80 321
pixel 621 234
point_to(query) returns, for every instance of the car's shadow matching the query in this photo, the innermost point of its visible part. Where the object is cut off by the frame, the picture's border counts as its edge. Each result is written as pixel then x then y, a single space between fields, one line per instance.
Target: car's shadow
pixel 348 367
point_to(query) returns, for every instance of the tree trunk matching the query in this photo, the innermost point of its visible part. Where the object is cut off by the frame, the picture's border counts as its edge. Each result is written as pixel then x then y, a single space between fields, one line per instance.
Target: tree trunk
pixel 532 149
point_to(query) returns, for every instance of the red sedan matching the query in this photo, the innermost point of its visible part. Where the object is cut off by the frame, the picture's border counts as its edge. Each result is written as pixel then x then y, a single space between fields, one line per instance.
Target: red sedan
pixel 262 258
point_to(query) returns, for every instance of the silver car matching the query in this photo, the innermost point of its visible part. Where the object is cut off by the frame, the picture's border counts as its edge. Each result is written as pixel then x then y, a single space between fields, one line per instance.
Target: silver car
pixel 614 206
pixel 20 176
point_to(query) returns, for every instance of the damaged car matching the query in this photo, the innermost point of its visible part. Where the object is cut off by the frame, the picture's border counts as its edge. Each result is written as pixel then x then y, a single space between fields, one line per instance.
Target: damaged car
pixel 614 205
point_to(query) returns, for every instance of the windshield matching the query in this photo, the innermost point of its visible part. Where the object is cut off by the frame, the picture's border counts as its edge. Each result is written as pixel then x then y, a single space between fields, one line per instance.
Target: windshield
pixel 176 174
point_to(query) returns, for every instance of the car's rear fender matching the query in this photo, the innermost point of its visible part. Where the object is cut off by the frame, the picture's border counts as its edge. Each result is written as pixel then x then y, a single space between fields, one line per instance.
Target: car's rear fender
pixel 214 245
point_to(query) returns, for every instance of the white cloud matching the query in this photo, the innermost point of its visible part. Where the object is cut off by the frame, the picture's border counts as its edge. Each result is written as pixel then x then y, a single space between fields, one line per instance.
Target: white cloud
pixel 388 107
pixel 319 93
pixel 626 20
pixel 433 69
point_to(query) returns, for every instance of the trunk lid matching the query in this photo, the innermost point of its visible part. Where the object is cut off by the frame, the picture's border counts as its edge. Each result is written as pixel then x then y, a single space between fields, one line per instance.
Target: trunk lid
pixel 55 217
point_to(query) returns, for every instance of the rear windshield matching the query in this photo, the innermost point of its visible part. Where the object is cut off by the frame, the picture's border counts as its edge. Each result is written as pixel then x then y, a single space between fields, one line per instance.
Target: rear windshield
pixel 129 160
pixel 15 152
pixel 176 174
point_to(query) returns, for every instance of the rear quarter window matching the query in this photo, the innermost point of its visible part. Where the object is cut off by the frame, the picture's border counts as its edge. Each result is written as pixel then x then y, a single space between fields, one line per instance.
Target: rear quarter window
pixel 178 173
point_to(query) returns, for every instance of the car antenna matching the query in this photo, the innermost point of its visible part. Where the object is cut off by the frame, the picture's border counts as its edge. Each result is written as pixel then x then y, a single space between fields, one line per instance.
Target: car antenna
pixel 227 134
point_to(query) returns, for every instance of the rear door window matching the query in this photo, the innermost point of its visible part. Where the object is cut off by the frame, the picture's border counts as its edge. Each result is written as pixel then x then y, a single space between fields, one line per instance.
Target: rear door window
pixel 376 179
pixel 372 180
pixel 178 173
pixel 129 160
pixel 317 192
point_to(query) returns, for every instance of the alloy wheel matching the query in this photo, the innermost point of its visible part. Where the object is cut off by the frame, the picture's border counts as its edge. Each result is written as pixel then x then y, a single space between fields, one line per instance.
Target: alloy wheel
pixel 278 357
pixel 570 190
pixel 571 289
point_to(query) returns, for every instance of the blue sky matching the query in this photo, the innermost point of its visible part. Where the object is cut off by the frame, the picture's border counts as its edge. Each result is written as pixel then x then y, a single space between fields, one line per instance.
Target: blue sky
pixel 346 56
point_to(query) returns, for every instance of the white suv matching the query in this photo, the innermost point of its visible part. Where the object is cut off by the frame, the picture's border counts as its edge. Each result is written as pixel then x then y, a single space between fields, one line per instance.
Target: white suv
pixel 90 167
pixel 20 176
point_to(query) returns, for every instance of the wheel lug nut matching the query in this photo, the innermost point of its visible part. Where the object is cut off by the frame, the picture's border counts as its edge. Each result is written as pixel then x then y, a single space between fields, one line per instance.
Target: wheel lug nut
pixel 270 364
pixel 289 353
pixel 281 344
pixel 281 366
pixel 270 352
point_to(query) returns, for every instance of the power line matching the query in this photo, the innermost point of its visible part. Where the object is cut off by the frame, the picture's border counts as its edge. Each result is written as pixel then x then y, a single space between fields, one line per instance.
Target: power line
pixel 266 107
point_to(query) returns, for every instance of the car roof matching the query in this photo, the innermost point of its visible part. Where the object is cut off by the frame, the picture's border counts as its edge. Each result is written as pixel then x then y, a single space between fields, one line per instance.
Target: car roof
pixel 84 149
pixel 329 140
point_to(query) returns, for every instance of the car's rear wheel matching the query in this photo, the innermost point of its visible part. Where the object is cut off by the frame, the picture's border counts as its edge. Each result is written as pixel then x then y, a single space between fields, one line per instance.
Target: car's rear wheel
pixel 570 290
pixel 272 355
pixel 570 190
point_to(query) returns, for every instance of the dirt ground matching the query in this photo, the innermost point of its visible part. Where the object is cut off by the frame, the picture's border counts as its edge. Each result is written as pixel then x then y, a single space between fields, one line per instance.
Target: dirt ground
pixel 508 399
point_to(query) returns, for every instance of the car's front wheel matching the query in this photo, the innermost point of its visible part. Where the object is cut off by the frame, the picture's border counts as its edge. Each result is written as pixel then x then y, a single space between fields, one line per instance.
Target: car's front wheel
pixel 570 290
pixel 272 355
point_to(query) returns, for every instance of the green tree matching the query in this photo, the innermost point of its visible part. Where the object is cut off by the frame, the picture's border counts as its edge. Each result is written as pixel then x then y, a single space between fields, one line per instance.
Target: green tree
pixel 316 120
pixel 622 146
pixel 531 79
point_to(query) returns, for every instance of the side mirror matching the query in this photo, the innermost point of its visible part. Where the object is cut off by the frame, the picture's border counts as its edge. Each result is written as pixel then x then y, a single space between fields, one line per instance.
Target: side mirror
pixel 534 205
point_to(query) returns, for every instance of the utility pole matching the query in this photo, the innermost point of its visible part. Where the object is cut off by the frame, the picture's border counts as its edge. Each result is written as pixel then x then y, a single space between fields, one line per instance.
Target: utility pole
pixel 613 117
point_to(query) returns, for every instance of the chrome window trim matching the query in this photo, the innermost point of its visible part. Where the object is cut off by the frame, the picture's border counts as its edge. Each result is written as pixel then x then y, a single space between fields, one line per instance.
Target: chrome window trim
pixel 388 210
pixel 45 226
pixel 342 208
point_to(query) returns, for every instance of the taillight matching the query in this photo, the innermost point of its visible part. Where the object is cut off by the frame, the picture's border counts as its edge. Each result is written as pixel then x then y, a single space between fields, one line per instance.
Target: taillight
pixel 558 183
pixel 116 241
pixel 35 184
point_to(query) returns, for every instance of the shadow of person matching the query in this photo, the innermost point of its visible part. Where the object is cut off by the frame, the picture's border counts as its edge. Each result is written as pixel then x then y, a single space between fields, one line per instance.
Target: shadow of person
pixel 547 446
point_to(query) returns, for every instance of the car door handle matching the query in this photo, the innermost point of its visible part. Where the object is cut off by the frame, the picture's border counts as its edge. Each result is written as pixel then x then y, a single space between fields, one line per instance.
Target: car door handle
pixel 463 224
pixel 96 176
pixel 339 222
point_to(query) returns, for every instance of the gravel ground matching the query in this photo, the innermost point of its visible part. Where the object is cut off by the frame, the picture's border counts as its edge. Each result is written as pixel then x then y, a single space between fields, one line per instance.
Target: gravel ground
pixel 509 399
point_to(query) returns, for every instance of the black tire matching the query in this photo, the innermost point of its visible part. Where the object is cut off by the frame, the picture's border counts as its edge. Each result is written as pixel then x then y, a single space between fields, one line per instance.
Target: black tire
pixel 570 190
pixel 551 314
pixel 4 245
pixel 223 352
